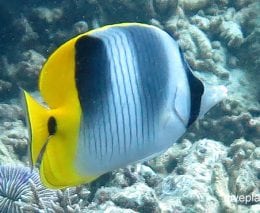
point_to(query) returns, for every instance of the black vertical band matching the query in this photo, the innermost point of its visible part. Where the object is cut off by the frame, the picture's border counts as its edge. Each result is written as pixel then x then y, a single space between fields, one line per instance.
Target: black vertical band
pixel 196 91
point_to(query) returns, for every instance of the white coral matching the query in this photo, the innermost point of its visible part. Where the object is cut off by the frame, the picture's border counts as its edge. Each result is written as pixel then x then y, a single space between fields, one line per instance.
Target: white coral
pixel 193 4
pixel 201 22
pixel 202 41
pixel 231 32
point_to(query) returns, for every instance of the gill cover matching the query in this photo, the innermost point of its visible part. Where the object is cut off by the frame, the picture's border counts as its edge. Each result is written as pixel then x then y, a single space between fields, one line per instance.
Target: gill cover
pixel 54 130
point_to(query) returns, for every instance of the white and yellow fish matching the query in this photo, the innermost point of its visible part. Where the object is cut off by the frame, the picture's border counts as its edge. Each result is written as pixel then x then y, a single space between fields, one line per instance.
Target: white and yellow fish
pixel 115 95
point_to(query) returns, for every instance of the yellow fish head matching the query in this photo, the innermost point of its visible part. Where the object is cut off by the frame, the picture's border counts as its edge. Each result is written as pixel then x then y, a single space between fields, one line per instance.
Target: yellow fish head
pixel 54 129
pixel 53 144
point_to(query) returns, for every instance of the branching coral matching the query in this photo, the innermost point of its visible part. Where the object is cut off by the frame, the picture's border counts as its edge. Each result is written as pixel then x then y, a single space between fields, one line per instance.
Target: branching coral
pixel 216 37
pixel 194 4
pixel 232 33
pixel 220 187
pixel 29 68
pixel 72 200
pixel 48 15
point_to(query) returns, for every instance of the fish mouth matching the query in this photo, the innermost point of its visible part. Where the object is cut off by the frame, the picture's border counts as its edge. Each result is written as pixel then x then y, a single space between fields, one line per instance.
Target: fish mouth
pixel 39 158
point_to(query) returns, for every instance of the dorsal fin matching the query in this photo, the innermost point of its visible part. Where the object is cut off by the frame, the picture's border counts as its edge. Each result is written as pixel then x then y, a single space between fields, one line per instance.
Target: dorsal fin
pixel 57 81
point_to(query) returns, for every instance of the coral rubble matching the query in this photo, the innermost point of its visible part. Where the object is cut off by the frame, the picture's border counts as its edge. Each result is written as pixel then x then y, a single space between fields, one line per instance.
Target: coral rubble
pixel 214 168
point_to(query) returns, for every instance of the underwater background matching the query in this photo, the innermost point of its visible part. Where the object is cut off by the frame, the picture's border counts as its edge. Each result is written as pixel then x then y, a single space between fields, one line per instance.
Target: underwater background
pixel 214 168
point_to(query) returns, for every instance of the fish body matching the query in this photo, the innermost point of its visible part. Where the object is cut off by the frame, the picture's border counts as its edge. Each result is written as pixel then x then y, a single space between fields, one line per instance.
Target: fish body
pixel 115 95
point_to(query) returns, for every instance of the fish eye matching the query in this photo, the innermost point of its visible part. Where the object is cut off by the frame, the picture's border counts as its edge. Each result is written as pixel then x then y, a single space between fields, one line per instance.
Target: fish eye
pixel 52 125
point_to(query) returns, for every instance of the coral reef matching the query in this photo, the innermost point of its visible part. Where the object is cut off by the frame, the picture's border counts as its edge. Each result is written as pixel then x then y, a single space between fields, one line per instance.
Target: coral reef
pixel 5 89
pixel 13 136
pixel 21 189
pixel 228 128
pixel 193 4
pixel 237 178
pixel 208 31
pixel 189 185
pixel 243 168
pixel 201 181
pixel 80 27
pixel 48 15
pixel 138 197
pixel 26 72
pixel 220 40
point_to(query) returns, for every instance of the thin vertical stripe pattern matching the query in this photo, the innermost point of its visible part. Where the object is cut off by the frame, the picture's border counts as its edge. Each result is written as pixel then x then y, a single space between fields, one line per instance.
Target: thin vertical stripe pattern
pixel 123 77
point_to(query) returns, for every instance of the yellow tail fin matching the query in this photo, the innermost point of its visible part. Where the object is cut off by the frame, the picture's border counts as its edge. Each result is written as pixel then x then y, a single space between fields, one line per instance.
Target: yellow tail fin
pixel 37 120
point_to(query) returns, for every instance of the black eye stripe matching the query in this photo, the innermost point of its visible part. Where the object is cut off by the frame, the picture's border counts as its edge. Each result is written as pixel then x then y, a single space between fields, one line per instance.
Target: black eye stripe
pixel 52 125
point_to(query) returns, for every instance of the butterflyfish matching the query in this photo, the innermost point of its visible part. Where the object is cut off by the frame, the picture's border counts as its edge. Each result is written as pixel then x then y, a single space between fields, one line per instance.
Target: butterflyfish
pixel 113 96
